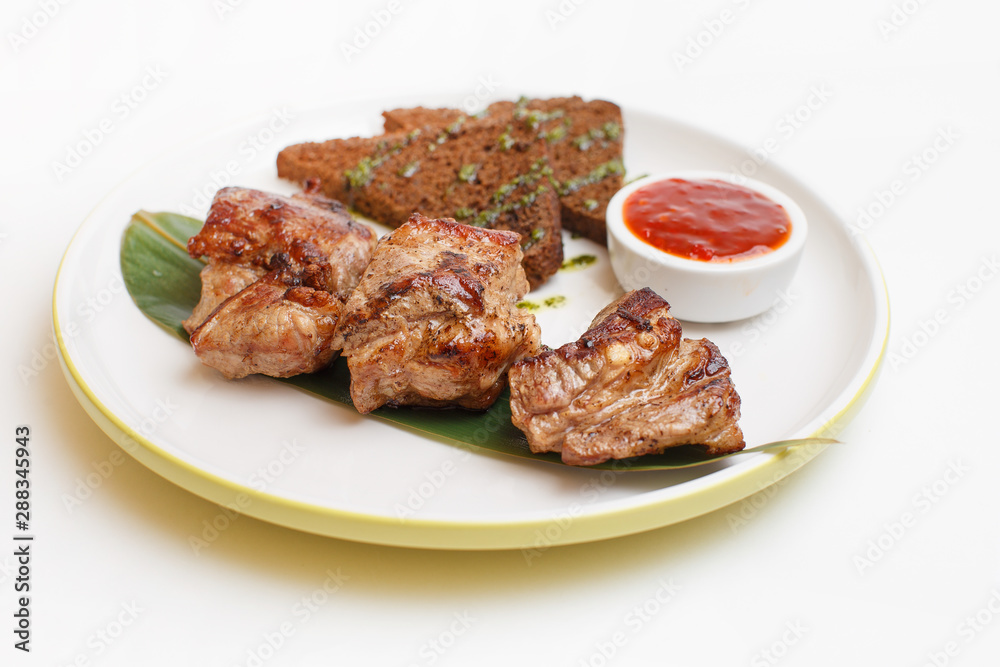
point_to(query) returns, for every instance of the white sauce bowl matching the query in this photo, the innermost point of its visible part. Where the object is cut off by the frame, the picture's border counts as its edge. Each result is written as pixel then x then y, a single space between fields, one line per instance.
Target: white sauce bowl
pixel 700 291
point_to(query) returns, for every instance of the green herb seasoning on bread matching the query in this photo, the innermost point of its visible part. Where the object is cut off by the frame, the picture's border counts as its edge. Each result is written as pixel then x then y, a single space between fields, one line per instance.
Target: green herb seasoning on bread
pixel 585 148
pixel 533 167
pixel 458 170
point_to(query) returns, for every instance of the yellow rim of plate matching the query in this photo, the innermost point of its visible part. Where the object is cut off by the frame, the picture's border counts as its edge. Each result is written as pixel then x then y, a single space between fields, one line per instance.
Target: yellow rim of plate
pixel 537 534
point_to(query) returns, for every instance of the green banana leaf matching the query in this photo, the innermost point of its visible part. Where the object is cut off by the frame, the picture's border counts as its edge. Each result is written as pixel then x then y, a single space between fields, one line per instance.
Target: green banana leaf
pixel 163 281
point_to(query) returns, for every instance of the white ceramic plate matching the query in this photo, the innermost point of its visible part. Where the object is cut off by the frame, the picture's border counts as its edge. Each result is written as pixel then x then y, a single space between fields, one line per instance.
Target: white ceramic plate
pixel 288 457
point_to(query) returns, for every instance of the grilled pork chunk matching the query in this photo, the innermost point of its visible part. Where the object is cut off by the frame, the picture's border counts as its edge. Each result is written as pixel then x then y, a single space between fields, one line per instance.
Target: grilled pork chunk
pixel 220 280
pixel 434 320
pixel 629 386
pixel 280 325
pixel 249 232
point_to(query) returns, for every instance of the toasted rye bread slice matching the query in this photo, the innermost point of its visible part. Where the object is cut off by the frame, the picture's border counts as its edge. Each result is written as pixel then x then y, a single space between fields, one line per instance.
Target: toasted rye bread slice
pixel 585 146
pixel 484 174
pixel 404 120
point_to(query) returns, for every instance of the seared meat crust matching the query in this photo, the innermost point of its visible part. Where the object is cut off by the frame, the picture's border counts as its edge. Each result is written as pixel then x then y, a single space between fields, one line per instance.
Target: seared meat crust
pixel 278 326
pixel 434 320
pixel 278 273
pixel 629 386
pixel 219 281
pixel 265 231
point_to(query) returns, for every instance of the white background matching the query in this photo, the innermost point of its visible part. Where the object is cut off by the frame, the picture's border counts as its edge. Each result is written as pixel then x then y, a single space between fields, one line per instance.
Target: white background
pixel 884 551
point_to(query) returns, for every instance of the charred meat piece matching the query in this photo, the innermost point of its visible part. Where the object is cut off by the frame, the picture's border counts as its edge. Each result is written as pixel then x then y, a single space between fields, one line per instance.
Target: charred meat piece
pixel 280 325
pixel 629 386
pixel 253 232
pixel 250 227
pixel 434 321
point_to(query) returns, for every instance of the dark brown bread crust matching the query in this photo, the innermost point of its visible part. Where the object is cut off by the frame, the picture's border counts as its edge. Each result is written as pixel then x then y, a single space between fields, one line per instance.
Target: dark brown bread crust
pixel 485 174
pixel 404 120
pixel 326 162
pixel 587 162
pixel 585 147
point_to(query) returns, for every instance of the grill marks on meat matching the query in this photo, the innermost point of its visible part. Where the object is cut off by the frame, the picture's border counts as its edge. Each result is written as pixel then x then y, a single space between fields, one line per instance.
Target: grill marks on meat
pixel 252 227
pixel 631 385
pixel 250 230
pixel 450 279
pixel 277 276
pixel 434 320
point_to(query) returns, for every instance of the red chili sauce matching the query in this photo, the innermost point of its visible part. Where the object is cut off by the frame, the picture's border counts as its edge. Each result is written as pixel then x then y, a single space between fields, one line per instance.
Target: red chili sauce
pixel 707 220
